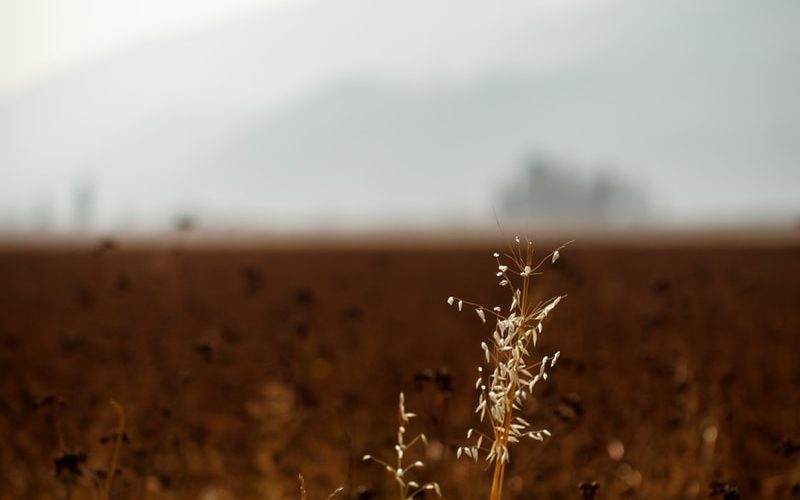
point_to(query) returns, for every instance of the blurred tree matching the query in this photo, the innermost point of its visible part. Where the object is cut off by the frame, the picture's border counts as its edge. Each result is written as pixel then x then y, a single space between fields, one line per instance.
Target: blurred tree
pixel 83 202
pixel 548 190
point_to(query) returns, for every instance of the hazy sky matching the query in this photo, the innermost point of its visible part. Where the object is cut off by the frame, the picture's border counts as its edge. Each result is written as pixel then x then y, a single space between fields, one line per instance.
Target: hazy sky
pixel 266 110
pixel 38 37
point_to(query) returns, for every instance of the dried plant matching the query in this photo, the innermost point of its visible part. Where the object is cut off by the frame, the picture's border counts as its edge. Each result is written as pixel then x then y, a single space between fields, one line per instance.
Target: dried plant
pixel 304 493
pixel 720 488
pixel 512 375
pixel 119 436
pixel 407 488
pixel 70 464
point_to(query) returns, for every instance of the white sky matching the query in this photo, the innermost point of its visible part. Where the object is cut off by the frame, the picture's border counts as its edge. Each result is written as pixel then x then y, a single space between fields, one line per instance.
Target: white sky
pixel 38 37
pixel 607 83
pixel 41 37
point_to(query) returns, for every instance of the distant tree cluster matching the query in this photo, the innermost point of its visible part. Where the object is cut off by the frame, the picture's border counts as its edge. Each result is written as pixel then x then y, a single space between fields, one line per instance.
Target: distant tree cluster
pixel 547 190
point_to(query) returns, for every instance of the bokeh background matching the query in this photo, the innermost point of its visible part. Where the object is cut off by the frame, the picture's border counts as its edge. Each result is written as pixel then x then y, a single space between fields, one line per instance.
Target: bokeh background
pixel 241 219
pixel 306 115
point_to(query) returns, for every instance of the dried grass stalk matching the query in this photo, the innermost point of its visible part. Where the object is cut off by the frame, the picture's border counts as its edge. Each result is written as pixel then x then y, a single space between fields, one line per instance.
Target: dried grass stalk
pixel 512 369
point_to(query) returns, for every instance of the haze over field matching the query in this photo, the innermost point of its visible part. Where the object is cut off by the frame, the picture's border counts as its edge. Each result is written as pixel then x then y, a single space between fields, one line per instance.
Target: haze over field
pixel 352 113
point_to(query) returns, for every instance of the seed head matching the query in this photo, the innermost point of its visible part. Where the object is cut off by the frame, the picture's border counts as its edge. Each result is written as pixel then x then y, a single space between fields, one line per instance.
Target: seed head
pixel 512 374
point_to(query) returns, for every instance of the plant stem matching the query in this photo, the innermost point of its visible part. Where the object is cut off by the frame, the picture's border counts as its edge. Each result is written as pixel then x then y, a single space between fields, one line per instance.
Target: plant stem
pixel 115 454
pixel 497 481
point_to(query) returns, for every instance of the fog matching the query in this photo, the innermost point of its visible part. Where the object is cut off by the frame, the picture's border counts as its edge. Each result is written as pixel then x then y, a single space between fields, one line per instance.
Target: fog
pixel 361 114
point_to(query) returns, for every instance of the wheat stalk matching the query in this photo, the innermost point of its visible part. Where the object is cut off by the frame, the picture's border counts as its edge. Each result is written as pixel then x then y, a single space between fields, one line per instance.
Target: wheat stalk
pixel 512 374
pixel 407 488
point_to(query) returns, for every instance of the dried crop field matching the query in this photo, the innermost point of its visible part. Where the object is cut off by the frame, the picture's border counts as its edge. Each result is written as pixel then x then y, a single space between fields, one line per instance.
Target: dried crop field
pixel 240 367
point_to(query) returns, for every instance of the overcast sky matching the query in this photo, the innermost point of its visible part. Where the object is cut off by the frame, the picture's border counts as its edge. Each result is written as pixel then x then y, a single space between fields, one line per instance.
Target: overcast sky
pixel 378 109
pixel 38 37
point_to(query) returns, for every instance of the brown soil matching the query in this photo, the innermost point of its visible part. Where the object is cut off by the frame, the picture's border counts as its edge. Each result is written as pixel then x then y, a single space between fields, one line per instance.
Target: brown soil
pixel 240 368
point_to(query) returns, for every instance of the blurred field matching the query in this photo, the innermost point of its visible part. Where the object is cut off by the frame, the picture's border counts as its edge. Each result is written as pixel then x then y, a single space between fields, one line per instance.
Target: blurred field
pixel 240 367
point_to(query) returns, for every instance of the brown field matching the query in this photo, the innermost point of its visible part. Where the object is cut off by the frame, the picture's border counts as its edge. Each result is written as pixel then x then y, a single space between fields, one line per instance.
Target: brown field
pixel 239 368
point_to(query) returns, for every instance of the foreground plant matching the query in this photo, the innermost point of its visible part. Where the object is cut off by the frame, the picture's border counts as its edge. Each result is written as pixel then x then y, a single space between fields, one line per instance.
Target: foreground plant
pixel 511 374
pixel 304 493
pixel 408 489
